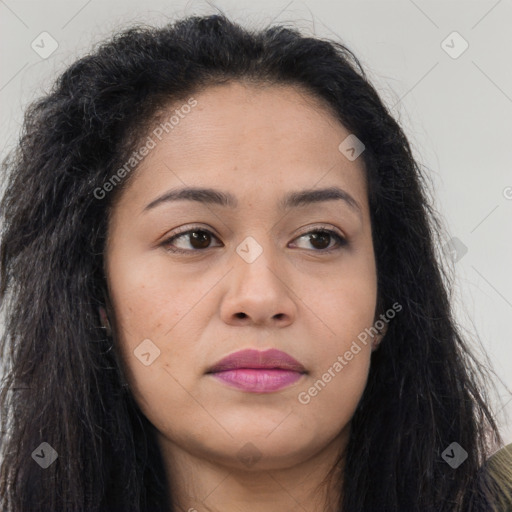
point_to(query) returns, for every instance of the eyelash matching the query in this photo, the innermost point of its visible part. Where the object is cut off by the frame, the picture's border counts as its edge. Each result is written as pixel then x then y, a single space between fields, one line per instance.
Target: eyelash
pixel 341 242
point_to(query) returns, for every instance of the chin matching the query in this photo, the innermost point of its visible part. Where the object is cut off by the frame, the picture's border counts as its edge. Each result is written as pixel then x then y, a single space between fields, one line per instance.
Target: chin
pixel 264 450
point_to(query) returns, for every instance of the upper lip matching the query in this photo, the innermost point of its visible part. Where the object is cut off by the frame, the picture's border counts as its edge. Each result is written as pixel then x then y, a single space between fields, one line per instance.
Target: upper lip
pixel 250 358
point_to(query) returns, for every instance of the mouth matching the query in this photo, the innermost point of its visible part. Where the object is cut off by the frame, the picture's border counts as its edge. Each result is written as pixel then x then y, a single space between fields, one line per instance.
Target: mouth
pixel 258 372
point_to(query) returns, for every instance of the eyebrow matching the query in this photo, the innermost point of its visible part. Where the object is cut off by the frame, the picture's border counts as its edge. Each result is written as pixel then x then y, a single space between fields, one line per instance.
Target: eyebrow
pixel 296 199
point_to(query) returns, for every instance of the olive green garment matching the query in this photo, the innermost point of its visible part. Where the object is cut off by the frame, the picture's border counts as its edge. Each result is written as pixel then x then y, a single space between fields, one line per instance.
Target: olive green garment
pixel 500 469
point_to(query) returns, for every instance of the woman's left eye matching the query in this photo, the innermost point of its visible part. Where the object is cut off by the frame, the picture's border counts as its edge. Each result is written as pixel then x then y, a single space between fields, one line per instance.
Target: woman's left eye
pixel 319 236
pixel 199 239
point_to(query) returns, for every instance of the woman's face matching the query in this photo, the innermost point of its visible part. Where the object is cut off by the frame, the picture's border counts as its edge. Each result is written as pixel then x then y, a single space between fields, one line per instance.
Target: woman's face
pixel 249 277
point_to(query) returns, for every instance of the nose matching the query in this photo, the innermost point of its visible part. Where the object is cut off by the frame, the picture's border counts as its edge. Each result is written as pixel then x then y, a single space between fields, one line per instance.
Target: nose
pixel 259 293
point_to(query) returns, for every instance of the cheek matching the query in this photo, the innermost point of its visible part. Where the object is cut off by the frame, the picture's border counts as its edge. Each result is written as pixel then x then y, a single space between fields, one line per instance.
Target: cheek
pixel 342 352
pixel 330 395
pixel 328 401
pixel 344 304
pixel 149 299
pixel 154 303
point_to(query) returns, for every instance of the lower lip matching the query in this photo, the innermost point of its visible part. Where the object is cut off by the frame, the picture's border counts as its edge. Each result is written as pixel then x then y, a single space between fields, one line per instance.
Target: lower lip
pixel 264 380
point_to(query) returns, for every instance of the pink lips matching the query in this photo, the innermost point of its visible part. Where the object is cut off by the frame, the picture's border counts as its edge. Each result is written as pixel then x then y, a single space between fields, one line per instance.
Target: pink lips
pixel 258 372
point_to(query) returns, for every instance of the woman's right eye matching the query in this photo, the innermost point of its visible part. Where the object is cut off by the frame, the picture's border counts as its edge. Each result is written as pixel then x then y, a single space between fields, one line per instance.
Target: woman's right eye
pixel 198 241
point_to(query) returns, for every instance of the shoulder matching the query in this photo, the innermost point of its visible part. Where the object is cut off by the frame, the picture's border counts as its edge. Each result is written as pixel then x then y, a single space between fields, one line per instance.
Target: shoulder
pixel 501 459
pixel 499 470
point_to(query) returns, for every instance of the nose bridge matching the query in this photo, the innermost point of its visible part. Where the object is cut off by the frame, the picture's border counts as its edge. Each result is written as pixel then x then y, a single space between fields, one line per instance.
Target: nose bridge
pixel 255 264
pixel 258 287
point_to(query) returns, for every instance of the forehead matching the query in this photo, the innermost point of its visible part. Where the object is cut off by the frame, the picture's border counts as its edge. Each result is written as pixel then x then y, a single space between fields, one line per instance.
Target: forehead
pixel 245 138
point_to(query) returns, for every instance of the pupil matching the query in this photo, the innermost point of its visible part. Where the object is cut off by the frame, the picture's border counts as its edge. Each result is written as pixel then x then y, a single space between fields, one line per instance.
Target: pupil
pixel 317 236
pixel 202 238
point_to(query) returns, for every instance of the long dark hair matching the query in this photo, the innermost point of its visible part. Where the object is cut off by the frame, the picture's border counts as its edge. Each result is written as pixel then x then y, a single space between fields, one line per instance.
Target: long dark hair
pixel 63 382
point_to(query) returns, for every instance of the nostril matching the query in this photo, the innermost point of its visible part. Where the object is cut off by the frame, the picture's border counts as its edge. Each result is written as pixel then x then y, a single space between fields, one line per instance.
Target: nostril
pixel 241 315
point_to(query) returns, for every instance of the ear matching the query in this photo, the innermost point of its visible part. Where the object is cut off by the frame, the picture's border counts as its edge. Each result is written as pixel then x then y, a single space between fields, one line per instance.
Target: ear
pixel 105 321
pixel 378 338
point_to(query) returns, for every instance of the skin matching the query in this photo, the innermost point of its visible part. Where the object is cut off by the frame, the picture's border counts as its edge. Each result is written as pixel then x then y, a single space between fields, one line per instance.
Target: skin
pixel 258 143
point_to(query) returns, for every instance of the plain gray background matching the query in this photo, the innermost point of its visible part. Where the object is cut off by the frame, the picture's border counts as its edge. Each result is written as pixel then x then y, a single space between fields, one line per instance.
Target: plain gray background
pixel 455 106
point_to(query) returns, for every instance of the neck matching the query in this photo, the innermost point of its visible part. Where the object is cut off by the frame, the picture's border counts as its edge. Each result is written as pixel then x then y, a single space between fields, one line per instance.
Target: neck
pixel 198 484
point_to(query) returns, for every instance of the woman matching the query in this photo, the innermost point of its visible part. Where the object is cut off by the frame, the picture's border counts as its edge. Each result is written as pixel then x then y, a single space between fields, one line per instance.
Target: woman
pixel 219 268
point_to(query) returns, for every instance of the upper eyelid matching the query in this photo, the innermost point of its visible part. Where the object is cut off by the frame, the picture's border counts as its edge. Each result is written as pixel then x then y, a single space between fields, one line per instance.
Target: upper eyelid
pixel 188 231
pixel 325 226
